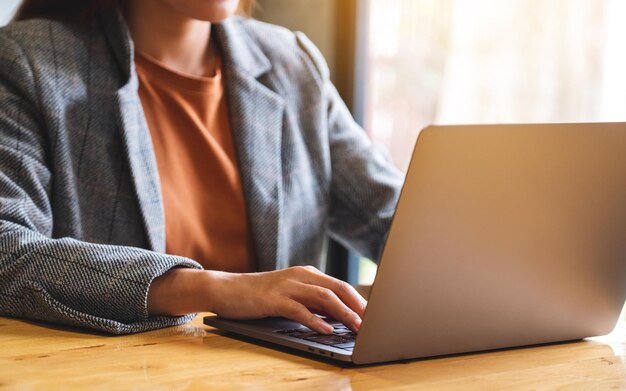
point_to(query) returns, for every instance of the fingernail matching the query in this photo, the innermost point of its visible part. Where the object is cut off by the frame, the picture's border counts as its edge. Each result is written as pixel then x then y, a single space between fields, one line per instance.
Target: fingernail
pixel 357 323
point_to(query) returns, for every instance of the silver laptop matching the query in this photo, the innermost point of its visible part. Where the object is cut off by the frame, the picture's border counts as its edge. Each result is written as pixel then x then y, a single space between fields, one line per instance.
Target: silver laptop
pixel 504 235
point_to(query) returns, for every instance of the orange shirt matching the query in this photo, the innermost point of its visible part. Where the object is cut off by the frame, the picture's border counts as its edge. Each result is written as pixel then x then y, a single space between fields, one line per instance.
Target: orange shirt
pixel 205 213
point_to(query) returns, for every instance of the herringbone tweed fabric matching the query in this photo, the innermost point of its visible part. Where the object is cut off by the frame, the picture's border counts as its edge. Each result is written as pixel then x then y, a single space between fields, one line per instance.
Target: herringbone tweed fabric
pixel 81 221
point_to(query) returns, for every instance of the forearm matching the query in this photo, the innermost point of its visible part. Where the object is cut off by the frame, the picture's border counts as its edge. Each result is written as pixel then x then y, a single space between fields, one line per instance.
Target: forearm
pixel 180 291
pixel 76 283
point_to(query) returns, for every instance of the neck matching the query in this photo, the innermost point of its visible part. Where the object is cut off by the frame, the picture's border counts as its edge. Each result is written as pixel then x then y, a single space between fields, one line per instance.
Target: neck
pixel 179 42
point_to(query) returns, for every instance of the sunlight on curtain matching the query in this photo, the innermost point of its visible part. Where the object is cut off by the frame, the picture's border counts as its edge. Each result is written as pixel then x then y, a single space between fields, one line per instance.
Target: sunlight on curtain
pixel 485 61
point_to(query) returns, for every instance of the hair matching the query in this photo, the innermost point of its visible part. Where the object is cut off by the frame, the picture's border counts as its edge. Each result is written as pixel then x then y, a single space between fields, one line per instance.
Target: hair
pixel 78 9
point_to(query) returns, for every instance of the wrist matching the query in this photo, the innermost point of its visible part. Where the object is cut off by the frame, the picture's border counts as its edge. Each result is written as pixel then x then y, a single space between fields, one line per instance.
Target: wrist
pixel 179 291
pixel 213 289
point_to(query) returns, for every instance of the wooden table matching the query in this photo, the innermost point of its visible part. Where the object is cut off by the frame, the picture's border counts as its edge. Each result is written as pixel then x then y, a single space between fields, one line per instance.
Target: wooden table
pixel 194 356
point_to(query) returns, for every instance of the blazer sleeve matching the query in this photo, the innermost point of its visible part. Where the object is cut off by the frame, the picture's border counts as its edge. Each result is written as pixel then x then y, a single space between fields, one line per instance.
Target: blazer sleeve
pixel 60 280
pixel 365 184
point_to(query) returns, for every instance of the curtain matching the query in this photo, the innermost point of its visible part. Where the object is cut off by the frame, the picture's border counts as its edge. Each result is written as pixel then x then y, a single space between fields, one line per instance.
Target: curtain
pixel 490 61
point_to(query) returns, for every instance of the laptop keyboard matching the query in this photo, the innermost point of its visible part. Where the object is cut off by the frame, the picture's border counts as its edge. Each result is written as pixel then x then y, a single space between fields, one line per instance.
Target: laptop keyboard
pixel 342 337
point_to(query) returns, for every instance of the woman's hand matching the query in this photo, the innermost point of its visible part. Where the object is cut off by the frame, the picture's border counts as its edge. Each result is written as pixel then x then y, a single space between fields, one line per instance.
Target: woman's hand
pixel 297 293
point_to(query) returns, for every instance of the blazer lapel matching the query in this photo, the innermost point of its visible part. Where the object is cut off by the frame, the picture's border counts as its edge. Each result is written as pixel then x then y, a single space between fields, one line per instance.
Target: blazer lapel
pixel 256 120
pixel 143 167
pixel 136 135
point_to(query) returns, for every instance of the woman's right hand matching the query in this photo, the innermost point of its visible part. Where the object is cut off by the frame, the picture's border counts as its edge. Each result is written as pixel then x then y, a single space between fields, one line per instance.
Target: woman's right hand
pixel 296 293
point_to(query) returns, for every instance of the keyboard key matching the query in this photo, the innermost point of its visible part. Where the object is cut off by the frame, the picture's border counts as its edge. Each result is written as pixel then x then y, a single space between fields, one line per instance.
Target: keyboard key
pixel 342 337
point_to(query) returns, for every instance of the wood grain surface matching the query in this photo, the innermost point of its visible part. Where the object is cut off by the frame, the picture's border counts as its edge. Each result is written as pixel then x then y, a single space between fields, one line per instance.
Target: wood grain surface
pixel 194 356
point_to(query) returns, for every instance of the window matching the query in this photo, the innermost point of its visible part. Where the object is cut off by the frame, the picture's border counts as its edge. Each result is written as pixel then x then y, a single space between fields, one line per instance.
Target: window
pixel 7 8
pixel 485 61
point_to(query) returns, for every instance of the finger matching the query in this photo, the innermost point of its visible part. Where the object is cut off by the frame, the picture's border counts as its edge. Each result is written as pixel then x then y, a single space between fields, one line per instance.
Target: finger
pixel 342 289
pixel 296 311
pixel 317 298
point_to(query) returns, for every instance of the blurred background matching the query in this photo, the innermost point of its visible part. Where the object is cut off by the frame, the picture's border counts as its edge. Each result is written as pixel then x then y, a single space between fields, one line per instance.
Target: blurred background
pixel 403 64
pixel 7 7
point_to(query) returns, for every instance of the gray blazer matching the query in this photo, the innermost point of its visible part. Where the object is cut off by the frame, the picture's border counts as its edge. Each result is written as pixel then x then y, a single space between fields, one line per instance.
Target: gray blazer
pixel 81 216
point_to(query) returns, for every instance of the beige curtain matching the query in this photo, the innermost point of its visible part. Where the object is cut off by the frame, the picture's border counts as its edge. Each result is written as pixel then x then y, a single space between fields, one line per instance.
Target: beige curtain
pixel 486 61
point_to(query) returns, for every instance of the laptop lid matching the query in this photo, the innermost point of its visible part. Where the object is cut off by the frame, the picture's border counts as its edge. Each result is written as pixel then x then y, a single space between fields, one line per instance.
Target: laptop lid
pixel 504 235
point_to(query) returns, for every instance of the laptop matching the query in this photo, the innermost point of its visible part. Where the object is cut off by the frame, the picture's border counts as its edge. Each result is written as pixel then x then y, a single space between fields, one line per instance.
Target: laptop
pixel 504 236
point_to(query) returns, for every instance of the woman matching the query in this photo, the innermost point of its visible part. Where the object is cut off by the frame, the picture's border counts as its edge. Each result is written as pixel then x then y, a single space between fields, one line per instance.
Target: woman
pixel 164 157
